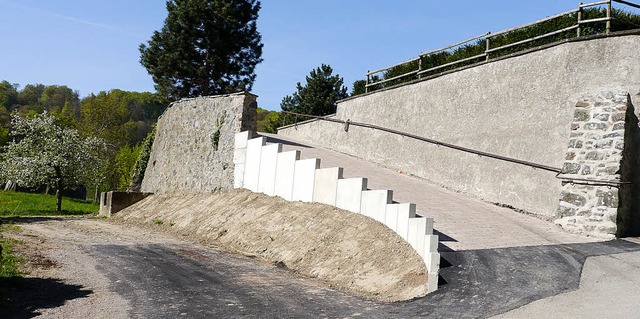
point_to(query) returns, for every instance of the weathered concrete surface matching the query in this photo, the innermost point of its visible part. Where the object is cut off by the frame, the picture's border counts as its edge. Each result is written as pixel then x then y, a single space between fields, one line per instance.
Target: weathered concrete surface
pixel 520 107
pixel 113 202
pixel 194 144
pixel 462 222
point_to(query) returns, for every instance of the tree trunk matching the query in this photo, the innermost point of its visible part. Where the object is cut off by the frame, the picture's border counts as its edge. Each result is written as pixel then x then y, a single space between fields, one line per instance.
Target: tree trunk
pixel 58 189
pixel 95 195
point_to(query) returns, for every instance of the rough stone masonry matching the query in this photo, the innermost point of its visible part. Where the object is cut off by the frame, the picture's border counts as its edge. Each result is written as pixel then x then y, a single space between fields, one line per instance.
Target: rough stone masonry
pixel 194 144
pixel 602 146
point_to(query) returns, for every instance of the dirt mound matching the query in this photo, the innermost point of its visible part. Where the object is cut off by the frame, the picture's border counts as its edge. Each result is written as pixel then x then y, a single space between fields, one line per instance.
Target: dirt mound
pixel 350 252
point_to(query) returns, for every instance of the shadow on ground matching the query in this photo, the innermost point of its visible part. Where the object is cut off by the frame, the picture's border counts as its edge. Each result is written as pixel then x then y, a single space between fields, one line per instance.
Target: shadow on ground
pixel 22 297
pixel 29 219
pixel 483 283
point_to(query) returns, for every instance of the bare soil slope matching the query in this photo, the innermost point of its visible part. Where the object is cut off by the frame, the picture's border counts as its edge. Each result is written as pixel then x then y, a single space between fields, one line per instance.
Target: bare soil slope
pixel 351 252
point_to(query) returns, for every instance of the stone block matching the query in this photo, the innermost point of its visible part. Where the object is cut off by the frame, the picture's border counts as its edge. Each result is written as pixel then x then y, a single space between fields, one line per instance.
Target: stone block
pixel 240 155
pixel 430 244
pixel 252 163
pixel 268 163
pixel 285 168
pixel 391 216
pixel 432 282
pixel 241 139
pixel 349 194
pixel 417 232
pixel 374 203
pixel 304 179
pixel 238 175
pixel 325 187
pixel 432 261
pixel 404 215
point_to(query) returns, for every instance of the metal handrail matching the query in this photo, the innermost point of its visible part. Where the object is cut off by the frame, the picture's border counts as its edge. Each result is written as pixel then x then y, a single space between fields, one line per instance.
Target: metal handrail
pixel 556 170
pixel 488 36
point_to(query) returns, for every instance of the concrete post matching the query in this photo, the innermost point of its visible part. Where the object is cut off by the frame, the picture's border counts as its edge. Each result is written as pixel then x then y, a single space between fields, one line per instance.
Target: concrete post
pixel 374 203
pixel 268 165
pixel 325 187
pixel 252 164
pixel 349 195
pixel 285 169
pixel 304 179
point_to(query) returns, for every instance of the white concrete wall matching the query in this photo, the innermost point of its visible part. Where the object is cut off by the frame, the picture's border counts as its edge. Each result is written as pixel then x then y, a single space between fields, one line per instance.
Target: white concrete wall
pixel 520 107
pixel 270 171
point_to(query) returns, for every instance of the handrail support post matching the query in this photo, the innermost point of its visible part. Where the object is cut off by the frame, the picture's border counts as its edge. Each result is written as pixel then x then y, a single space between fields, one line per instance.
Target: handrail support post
pixel 488 45
pixel 608 17
pixel 366 83
pixel 579 30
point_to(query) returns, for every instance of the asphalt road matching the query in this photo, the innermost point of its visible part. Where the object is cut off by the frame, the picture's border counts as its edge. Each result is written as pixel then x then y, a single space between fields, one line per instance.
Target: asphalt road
pixel 182 281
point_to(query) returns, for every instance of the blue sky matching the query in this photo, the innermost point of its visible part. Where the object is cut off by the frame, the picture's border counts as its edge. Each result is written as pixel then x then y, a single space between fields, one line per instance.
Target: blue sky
pixel 92 46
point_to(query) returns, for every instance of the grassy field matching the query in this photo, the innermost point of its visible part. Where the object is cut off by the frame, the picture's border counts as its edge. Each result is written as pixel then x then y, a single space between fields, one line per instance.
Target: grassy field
pixel 25 204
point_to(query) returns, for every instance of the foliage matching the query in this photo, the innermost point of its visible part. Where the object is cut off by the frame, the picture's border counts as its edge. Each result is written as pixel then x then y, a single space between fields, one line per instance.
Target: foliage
pixel 622 21
pixel 27 204
pixel 205 47
pixel 137 175
pixel 318 96
pixel 268 121
pixel 9 262
pixel 47 153
pixel 120 117
pixel 359 87
pixel 125 162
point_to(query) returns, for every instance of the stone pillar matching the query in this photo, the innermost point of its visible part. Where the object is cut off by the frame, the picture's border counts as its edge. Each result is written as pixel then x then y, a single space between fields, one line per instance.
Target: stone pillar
pixel 595 151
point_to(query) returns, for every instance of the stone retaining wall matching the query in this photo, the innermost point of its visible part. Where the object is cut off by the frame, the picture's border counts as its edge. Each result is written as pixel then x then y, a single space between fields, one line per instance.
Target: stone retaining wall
pixel 194 143
pixel 602 140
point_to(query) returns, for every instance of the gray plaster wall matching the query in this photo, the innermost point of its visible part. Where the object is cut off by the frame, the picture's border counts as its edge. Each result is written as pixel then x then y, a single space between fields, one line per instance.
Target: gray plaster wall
pixel 194 144
pixel 521 107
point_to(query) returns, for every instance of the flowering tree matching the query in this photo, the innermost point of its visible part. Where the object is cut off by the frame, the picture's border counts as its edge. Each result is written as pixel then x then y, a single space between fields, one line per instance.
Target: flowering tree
pixel 43 152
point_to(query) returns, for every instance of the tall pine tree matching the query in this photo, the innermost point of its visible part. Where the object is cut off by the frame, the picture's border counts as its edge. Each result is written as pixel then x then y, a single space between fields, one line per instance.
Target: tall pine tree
pixel 205 47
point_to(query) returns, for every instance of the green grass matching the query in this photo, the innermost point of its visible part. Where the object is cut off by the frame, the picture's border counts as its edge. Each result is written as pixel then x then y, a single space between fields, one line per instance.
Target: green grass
pixel 9 263
pixel 26 204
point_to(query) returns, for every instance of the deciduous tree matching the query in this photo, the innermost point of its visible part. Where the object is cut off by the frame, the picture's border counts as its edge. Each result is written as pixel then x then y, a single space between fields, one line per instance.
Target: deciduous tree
pixel 46 153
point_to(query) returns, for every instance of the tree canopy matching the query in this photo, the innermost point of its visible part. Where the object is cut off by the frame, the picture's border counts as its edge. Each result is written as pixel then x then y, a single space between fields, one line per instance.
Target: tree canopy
pixel 205 47
pixel 121 118
pixel 45 152
pixel 318 96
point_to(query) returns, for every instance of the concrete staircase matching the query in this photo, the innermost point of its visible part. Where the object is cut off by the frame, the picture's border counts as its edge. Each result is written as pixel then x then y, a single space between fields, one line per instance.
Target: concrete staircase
pixel 265 168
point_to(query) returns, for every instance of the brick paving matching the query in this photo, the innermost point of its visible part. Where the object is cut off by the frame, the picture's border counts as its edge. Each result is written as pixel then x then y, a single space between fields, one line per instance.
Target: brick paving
pixel 463 222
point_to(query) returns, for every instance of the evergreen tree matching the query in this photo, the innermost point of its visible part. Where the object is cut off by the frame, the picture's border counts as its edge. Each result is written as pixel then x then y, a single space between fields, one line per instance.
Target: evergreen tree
pixel 318 96
pixel 205 47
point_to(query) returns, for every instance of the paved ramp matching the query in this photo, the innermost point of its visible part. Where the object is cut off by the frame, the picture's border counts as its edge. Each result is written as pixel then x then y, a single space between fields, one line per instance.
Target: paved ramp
pixel 462 222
